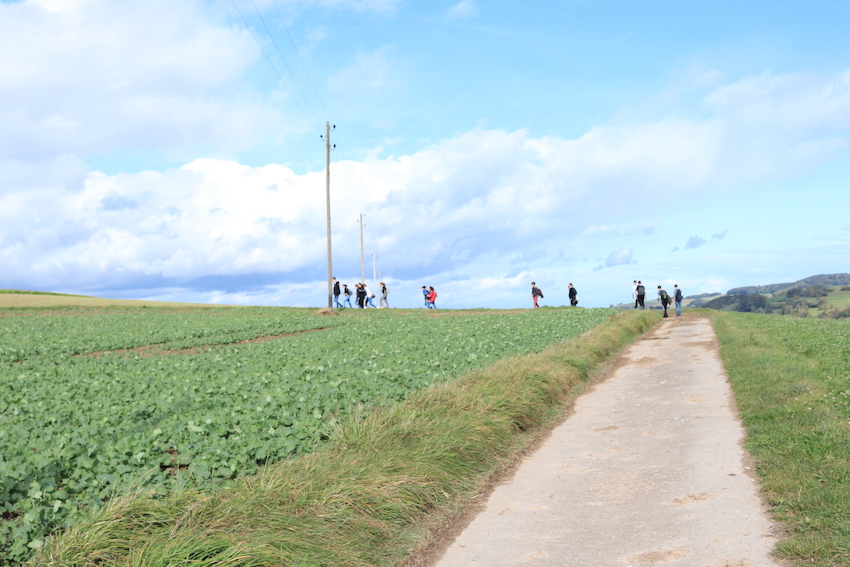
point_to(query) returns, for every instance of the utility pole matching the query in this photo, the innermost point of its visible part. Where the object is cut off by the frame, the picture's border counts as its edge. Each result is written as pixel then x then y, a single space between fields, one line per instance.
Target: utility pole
pixel 328 200
pixel 362 257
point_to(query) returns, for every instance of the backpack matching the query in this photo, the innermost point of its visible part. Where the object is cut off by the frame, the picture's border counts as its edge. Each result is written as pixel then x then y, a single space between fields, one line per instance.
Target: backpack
pixel 678 295
pixel 641 290
pixel 665 299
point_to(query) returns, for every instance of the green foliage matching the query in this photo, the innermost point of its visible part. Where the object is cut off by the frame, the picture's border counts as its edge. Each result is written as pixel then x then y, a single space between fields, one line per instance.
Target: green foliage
pixel 791 379
pixel 76 429
pixel 367 496
pixel 741 303
pixel 838 314
pixel 809 291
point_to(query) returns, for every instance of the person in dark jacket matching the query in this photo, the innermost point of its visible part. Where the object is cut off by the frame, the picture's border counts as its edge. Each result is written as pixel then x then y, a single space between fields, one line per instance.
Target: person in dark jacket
pixel 535 294
pixel 677 297
pixel 573 295
pixel 641 294
pixel 663 299
pixel 385 291
pixel 361 295
pixel 337 293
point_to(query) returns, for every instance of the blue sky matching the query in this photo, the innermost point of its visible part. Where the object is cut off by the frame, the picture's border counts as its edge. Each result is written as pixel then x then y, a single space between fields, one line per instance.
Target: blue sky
pixel 165 150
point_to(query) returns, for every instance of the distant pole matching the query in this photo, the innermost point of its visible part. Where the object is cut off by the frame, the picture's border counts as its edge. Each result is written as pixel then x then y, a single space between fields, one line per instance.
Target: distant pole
pixel 328 200
pixel 362 257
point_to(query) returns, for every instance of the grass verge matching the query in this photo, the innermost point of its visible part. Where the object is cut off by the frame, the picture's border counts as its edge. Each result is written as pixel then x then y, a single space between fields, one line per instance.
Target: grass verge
pixel 791 379
pixel 367 497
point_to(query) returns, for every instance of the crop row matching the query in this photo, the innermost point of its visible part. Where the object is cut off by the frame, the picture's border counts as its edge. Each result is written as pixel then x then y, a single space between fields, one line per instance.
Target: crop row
pixel 75 429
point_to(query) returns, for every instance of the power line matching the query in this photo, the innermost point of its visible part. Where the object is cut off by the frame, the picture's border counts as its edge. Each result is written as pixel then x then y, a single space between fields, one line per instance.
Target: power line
pixel 294 98
pixel 283 60
pixel 299 58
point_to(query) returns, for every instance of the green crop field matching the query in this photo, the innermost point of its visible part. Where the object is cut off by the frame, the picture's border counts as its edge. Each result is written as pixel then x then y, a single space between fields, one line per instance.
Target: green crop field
pixel 95 400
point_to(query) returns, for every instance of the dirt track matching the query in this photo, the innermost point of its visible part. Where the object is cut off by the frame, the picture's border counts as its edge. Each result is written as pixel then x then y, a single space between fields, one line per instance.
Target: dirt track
pixel 649 470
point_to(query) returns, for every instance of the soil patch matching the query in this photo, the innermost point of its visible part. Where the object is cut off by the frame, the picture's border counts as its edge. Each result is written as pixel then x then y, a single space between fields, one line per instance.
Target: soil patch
pixel 157 350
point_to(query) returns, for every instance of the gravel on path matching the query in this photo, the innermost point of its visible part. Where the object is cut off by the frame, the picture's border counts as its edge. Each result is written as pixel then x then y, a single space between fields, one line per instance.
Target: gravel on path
pixel 649 470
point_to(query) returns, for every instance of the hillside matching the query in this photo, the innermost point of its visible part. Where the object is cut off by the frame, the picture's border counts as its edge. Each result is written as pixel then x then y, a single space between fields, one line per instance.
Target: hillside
pixel 823 279
pixel 825 296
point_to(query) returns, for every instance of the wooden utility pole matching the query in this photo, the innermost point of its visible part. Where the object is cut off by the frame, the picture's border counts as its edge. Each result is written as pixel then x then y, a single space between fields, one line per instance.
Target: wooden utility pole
pixel 362 257
pixel 328 199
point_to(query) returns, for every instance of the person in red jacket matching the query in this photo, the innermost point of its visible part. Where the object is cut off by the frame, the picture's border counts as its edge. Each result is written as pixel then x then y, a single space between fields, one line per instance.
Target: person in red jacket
pixel 432 298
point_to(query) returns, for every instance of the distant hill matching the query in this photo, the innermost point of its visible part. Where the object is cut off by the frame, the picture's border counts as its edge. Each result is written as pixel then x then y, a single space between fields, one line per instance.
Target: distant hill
pixel 823 279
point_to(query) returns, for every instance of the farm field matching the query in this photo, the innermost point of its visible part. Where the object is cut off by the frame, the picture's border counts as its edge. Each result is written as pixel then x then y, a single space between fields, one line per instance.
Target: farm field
pixel 791 378
pixel 97 399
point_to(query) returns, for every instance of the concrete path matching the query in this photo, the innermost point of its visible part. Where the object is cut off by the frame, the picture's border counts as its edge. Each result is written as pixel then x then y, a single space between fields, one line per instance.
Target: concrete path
pixel 649 470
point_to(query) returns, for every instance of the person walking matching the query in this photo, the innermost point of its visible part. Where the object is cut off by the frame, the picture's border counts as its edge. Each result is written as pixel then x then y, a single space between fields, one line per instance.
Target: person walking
pixel 573 295
pixel 385 291
pixel 369 297
pixel 641 294
pixel 347 293
pixel 432 298
pixel 677 297
pixel 361 295
pixel 664 299
pixel 535 294
pixel 634 292
pixel 427 295
pixel 337 293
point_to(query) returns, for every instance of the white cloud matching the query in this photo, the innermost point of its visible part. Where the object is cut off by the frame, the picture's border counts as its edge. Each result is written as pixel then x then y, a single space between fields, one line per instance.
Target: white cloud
pixel 620 257
pixel 94 76
pixel 485 199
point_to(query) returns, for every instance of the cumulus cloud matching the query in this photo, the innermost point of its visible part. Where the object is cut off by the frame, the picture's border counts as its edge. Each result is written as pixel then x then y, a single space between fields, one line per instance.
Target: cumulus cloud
pixel 481 196
pixel 95 76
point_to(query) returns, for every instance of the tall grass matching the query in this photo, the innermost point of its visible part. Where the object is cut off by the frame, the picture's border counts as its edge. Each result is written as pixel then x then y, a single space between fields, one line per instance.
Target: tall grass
pixel 791 379
pixel 367 497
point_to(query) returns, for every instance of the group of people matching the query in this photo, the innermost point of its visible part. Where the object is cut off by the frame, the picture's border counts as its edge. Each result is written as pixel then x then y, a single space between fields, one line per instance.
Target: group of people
pixel 664 298
pixel 362 295
pixel 536 294
pixel 430 296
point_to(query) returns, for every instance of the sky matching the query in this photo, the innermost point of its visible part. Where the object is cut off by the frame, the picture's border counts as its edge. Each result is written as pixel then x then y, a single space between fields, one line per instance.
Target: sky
pixel 173 151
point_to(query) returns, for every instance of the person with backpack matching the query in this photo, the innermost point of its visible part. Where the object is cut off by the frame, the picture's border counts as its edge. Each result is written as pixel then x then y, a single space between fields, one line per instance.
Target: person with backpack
pixel 535 294
pixel 573 295
pixel 337 293
pixel 385 291
pixel 347 293
pixel 664 298
pixel 677 297
pixel 641 294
